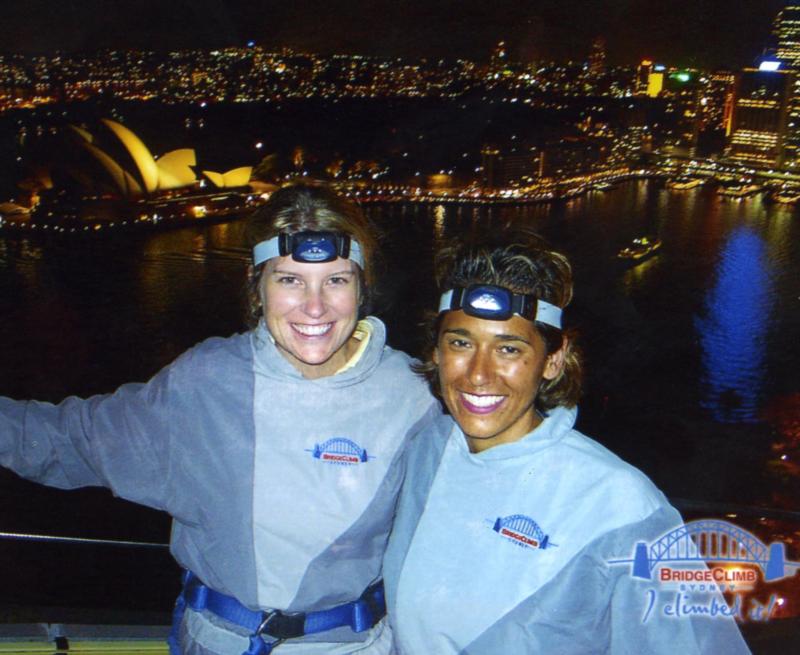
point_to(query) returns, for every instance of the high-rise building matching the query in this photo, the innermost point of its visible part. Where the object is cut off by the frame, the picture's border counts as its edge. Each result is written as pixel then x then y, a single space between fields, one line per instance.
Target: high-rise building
pixel 762 98
pixel 514 168
pixel 716 102
pixel 643 76
pixel 787 34
pixel 597 57
pixel 649 79
pixel 655 83
pixel 489 156
pixel 681 89
pixel 713 111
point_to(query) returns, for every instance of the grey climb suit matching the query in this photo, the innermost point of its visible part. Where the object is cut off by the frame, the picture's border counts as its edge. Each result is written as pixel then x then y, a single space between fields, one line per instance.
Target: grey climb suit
pixel 282 489
pixel 508 551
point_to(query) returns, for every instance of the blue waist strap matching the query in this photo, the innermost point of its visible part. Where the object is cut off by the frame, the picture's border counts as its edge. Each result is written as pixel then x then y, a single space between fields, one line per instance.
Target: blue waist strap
pixel 360 614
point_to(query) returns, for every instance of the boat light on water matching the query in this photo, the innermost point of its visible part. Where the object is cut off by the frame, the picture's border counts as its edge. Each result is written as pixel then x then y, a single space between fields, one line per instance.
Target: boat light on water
pixel 739 190
pixel 639 249
pixel 683 183
pixel 787 195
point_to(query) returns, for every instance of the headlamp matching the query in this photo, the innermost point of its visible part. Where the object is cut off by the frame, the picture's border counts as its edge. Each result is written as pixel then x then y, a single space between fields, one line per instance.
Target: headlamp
pixel 495 303
pixel 310 247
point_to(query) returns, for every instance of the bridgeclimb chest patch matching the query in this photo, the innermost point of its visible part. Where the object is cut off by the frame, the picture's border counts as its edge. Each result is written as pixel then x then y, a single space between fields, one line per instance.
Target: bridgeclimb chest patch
pixel 340 451
pixel 521 531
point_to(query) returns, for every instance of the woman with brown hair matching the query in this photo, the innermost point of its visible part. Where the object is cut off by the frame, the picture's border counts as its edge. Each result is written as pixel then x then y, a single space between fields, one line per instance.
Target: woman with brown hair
pixel 278 452
pixel 509 517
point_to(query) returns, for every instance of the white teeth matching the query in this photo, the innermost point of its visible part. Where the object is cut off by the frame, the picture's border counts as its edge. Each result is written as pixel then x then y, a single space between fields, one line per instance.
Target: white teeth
pixel 482 401
pixel 312 330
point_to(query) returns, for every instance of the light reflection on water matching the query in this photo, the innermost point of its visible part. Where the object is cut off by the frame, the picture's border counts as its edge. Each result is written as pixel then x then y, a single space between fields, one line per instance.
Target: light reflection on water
pixel 438 222
pixel 733 330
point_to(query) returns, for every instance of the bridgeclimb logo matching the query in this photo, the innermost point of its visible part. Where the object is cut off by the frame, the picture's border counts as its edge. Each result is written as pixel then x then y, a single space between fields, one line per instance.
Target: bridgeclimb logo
pixel 521 531
pixel 693 565
pixel 341 451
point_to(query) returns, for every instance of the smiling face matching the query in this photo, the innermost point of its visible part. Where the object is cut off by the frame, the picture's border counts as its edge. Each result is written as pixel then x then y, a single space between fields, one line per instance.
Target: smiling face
pixel 489 373
pixel 311 311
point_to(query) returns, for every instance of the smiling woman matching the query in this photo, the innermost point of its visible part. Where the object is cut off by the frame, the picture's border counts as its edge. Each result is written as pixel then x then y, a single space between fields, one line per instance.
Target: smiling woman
pixel 490 372
pixel 247 441
pixel 510 520
pixel 311 312
pixel 310 297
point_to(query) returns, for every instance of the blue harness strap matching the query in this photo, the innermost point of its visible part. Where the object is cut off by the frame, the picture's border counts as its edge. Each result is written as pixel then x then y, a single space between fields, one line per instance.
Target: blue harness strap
pixel 360 615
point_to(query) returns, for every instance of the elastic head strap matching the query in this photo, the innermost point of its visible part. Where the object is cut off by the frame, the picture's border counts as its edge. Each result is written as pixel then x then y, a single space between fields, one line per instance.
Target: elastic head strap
pixel 266 250
pixel 545 312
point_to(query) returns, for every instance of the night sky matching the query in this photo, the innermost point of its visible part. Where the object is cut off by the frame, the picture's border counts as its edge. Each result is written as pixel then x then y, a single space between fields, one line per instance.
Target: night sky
pixel 708 33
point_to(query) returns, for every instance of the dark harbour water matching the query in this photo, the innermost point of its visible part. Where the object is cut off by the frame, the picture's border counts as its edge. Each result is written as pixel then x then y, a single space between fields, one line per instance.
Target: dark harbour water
pixel 692 356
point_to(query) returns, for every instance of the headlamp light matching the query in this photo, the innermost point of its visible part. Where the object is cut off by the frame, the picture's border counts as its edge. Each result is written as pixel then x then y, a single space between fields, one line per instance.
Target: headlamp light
pixel 494 303
pixel 310 247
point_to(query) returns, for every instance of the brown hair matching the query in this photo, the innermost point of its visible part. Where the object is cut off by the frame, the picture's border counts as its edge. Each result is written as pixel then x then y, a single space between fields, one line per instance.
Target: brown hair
pixel 310 206
pixel 522 262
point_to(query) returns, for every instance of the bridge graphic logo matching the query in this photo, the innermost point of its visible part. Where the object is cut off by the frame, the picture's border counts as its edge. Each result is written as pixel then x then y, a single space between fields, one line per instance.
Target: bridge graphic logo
pixel 710 540
pixel 340 451
pixel 522 531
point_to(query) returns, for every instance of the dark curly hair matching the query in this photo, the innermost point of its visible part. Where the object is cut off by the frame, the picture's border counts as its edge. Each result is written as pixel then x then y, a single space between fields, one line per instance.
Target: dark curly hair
pixel 522 262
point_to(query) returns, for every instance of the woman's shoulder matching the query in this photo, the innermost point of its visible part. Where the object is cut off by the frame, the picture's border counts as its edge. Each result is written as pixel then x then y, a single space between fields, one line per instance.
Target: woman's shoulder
pixel 395 362
pixel 610 476
pixel 214 354
pixel 593 492
pixel 428 444
pixel 402 365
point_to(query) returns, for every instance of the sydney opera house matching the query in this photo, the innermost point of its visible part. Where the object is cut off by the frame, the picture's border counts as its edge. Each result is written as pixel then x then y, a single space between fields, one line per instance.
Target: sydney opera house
pixel 112 178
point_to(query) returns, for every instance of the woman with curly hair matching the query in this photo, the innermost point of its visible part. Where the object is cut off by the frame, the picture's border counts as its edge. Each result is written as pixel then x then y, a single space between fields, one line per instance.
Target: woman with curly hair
pixel 510 518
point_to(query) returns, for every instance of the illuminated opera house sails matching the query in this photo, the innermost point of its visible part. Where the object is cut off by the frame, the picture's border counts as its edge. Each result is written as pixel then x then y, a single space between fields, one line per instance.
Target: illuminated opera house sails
pixel 173 170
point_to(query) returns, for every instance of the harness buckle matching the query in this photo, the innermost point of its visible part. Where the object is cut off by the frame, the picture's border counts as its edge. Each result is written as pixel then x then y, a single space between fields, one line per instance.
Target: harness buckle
pixel 268 617
pixel 262 629
pixel 281 626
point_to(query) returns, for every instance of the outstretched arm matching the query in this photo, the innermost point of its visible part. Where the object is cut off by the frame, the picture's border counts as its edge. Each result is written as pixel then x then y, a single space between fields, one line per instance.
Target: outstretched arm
pixel 120 441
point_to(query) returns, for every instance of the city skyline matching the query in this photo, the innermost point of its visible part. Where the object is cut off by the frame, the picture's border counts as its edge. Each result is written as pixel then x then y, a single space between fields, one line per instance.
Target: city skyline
pixel 516 127
pixel 704 33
